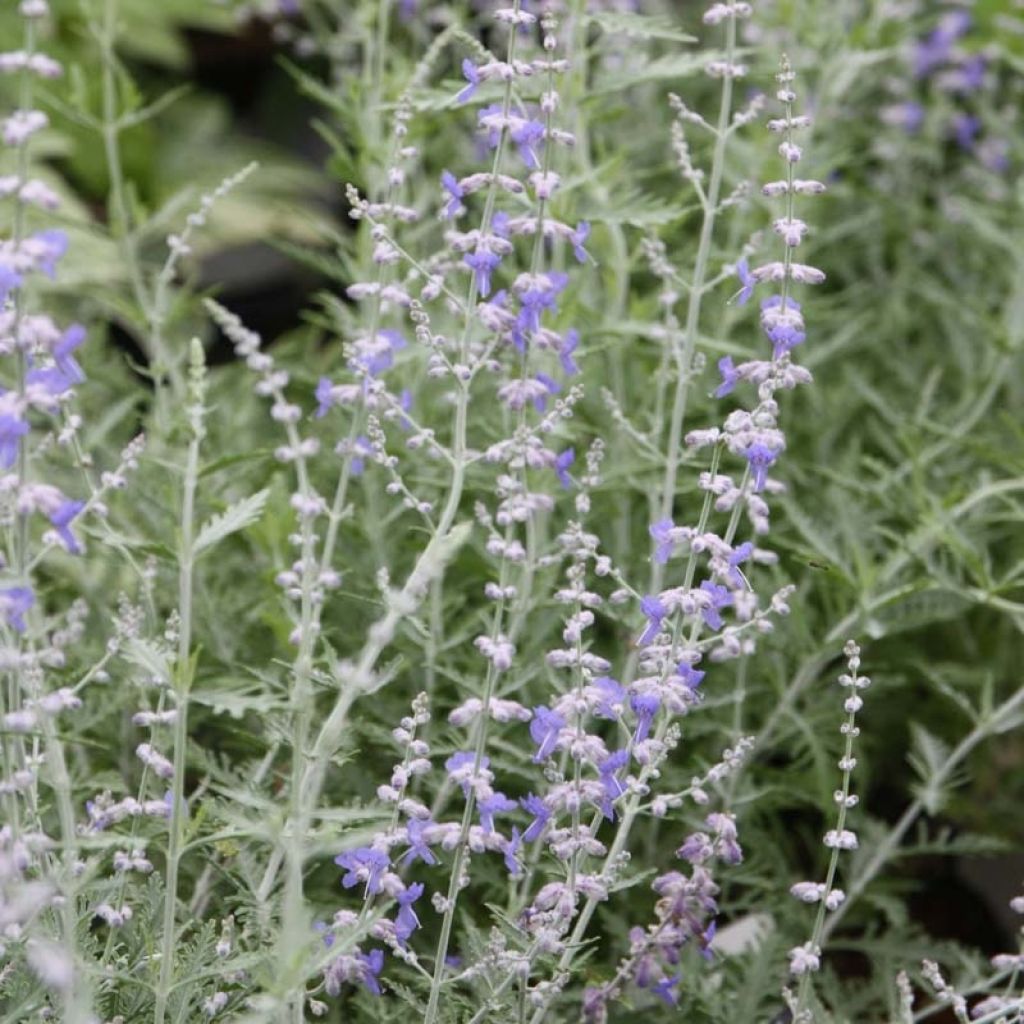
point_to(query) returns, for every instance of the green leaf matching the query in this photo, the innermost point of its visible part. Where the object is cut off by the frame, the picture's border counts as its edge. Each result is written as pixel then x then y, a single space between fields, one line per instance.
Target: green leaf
pixel 151 658
pixel 639 26
pixel 928 758
pixel 240 515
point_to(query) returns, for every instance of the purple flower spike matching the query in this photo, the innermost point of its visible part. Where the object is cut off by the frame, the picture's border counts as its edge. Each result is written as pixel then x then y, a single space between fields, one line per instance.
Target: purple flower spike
pixel 472 76
pixel 14 604
pixel 544 729
pixel 747 280
pixel 61 520
pixel 406 922
pixel 562 464
pixel 730 378
pixel 760 457
pixel 578 239
pixel 455 195
pixel 655 612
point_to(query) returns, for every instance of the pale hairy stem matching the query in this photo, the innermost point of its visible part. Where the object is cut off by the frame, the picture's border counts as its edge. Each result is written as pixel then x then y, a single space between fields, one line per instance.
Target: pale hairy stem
pixel 160 363
pixel 183 671
pixel 685 354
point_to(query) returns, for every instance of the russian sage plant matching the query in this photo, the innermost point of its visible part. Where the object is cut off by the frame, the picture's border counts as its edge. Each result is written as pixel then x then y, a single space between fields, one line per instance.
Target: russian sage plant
pixel 456 656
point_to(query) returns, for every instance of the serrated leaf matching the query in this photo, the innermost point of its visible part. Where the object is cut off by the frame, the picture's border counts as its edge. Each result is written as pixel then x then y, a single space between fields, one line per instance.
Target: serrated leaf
pixel 239 701
pixel 237 517
pixel 148 656
pixel 639 26
pixel 928 758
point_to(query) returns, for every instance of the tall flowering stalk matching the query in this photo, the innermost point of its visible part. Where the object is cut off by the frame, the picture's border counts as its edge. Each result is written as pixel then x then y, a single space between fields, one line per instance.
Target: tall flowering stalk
pixel 684 345
pixel 687 624
pixel 806 959
pixel 41 377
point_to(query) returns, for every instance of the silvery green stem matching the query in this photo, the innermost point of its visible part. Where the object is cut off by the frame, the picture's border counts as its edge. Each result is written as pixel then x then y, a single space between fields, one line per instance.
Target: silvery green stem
pixel 183 682
pixel 684 356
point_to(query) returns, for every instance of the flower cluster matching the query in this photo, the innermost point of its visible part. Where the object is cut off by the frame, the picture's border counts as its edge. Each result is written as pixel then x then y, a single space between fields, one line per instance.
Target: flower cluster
pixel 944 65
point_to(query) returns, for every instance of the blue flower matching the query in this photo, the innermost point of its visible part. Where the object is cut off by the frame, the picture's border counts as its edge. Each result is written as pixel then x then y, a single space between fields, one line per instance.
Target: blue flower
pixel 691 677
pixel 747 280
pixel 14 604
pixel 612 693
pixel 760 457
pixel 372 963
pixel 61 519
pixel 613 788
pixel 965 130
pixel 472 76
pixel 460 767
pixel 544 729
pixel 730 378
pixel 666 990
pixel 512 865
pixel 361 448
pixel 455 195
pixel 735 560
pixel 363 861
pixel 55 244
pixel 720 598
pixel 541 816
pixel 645 707
pixel 570 342
pixel 562 464
pixel 660 532
pixel 9 280
pixel 66 362
pixel 527 135
pixel 534 301
pixel 540 403
pixel 406 921
pixel 655 611
pixel 323 396
pixel 483 263
pixel 417 845
pixel 578 238
pixel 11 430
pixel 496 803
